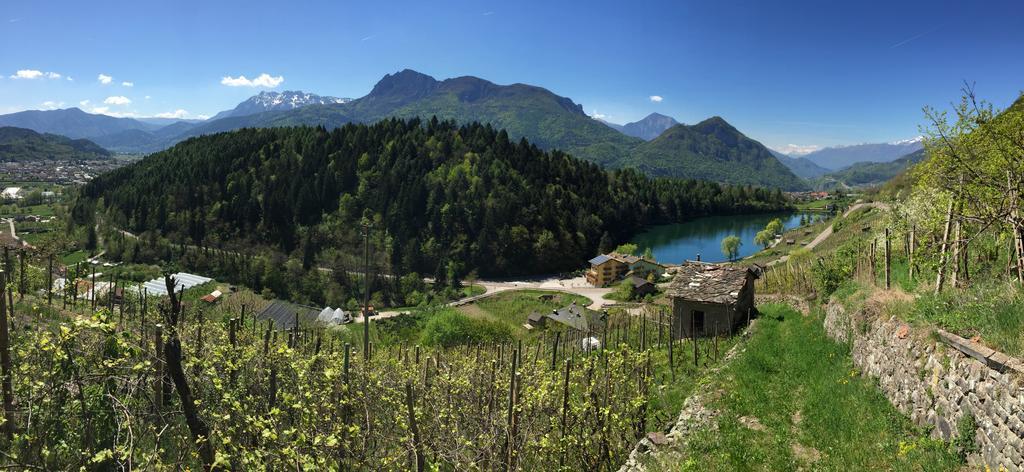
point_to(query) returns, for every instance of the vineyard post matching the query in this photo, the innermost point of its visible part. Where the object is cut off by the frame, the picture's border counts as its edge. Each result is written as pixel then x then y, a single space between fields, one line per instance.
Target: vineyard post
pixel 92 287
pixel 5 361
pixel 661 314
pixel 49 282
pixel 417 453
pixel 671 343
pixel 511 412
pixel 417 354
pixel 554 350
pixel 716 341
pixel 158 382
pixel 22 281
pixel 348 349
pixel 887 260
pixel 871 259
pixel 693 331
pixel 233 339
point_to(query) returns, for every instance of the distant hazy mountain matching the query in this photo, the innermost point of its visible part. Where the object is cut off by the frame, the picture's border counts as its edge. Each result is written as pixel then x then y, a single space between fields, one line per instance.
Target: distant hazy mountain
pixel 872 173
pixel 803 168
pixel 168 121
pixel 839 157
pixel 277 101
pixel 20 144
pixel 646 129
pixel 72 122
pixel 712 150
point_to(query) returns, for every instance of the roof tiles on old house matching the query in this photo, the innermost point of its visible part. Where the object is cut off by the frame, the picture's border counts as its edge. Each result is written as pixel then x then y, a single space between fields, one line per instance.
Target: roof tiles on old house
pixel 709 283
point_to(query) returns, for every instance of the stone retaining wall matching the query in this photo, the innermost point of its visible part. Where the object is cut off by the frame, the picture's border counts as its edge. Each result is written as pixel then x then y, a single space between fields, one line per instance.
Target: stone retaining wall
pixel 938 379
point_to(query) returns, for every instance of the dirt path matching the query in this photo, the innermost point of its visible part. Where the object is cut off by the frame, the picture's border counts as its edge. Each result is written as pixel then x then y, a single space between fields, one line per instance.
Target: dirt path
pixel 825 233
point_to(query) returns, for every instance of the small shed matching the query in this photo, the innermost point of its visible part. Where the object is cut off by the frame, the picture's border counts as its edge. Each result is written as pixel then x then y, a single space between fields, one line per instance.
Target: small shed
pixel 536 319
pixel 212 297
pixel 641 287
pixel 710 298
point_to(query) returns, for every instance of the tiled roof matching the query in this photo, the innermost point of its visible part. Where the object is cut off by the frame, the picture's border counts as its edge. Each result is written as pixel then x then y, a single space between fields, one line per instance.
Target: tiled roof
pixel 599 260
pixel 708 282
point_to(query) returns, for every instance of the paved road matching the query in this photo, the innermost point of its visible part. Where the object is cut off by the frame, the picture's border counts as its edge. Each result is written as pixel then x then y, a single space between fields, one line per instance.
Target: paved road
pixel 825 233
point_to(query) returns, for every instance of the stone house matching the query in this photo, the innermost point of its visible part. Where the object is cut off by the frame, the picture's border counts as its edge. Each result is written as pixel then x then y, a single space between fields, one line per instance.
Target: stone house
pixel 710 298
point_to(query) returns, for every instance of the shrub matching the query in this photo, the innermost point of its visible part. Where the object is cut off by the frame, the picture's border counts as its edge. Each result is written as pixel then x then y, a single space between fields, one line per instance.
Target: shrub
pixel 449 328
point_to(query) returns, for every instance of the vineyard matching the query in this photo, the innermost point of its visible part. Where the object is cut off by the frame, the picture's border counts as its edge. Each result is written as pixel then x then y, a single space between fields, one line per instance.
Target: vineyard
pixel 158 383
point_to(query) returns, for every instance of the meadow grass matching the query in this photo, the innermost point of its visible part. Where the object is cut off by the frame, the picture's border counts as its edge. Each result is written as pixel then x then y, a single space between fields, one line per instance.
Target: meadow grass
pixel 794 400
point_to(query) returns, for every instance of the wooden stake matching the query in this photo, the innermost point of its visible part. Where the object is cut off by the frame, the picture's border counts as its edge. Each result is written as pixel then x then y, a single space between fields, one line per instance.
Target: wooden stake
pixel 5 361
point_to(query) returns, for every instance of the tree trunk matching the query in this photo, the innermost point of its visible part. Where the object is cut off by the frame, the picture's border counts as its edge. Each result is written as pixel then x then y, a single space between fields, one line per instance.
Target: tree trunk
pixel 172 354
pixel 941 278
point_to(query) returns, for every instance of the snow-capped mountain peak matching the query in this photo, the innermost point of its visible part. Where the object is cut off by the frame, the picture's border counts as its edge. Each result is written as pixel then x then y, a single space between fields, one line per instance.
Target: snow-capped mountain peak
pixel 914 140
pixel 273 101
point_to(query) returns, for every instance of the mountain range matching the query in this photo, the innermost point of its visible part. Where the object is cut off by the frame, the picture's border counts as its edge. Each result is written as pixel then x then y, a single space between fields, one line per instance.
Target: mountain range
pixel 650 127
pixel 840 157
pixel 872 173
pixel 711 150
pixel 803 168
pixel 275 101
pixel 20 144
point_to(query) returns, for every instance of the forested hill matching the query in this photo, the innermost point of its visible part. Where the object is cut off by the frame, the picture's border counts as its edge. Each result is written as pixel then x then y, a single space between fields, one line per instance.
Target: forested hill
pixel 452 199
pixel 20 144
pixel 713 150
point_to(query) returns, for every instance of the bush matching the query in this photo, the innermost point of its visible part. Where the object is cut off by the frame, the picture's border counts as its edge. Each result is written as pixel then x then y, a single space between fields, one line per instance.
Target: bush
pixel 450 328
pixel 829 273
pixel 964 440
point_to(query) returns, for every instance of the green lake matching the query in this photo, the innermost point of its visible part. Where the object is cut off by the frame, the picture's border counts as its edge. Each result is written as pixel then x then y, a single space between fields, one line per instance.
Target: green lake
pixel 674 243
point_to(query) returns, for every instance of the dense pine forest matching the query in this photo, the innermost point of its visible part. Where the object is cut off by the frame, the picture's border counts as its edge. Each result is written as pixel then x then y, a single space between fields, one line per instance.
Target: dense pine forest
pixel 447 200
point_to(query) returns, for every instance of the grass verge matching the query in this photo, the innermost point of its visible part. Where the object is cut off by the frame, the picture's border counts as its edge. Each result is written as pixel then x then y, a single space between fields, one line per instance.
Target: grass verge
pixel 794 400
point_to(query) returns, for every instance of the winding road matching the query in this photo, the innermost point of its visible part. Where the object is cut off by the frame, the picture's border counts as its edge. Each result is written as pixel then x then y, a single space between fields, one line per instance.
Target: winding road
pixel 825 233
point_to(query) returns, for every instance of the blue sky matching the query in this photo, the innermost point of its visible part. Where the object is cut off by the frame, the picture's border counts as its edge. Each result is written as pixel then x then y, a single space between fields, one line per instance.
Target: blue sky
pixel 806 73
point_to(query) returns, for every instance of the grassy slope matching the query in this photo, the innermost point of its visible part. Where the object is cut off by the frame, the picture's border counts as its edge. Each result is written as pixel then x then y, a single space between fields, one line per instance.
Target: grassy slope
pixel 814 408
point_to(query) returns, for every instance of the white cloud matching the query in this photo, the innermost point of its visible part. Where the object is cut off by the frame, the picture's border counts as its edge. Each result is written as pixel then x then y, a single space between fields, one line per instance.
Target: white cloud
pixel 117 100
pixel 70 79
pixel 656 98
pixel 797 149
pixel 176 114
pixel 264 80
pixel 599 116
pixel 147 97
pixel 52 105
pixel 104 79
pixel 202 117
pixel 100 110
pixel 84 103
pixel 127 84
pixel 30 74
pixel 27 74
